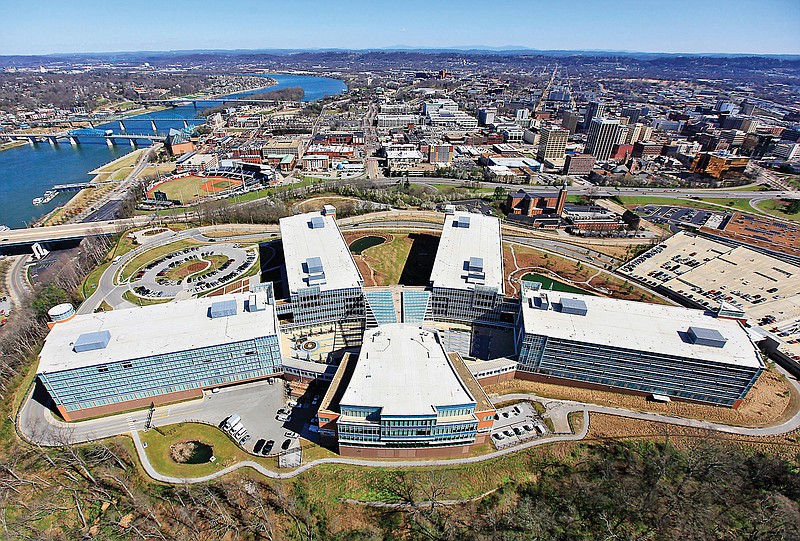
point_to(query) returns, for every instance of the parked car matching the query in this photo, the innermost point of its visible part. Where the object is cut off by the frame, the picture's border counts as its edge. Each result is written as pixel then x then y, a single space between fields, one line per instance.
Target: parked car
pixel 245 439
pixel 267 448
pixel 286 443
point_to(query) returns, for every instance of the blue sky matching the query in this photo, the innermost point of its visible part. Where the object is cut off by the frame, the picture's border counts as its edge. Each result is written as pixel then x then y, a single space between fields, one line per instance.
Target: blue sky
pixel 734 26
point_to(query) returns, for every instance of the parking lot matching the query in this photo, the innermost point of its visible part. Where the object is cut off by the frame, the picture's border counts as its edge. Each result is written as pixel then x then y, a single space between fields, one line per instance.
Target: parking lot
pixel 150 280
pixel 686 216
pixel 256 404
pixel 516 424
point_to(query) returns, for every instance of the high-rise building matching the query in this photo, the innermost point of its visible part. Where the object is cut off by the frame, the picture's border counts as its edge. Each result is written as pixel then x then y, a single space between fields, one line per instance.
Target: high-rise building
pixel 486 115
pixel 595 109
pixel 603 135
pixel 570 121
pixel 552 144
pixel 632 114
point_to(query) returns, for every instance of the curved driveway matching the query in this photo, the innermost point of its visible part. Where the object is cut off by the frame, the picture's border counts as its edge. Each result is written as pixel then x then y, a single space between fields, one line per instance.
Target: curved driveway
pixel 36 423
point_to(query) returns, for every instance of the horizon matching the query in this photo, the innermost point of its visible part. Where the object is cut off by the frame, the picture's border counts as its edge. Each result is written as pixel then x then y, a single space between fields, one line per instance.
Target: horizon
pixel 405 48
pixel 625 26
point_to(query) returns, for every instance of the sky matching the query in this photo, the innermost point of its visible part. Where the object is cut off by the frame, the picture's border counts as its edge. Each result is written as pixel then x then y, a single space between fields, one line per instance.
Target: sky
pixel 696 26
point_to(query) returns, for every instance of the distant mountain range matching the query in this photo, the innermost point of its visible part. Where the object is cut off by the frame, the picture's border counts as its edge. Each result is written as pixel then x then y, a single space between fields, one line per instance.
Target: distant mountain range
pixel 509 50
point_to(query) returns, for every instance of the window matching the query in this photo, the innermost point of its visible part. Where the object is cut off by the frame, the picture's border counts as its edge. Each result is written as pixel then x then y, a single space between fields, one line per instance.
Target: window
pixel 127 365
pixel 102 369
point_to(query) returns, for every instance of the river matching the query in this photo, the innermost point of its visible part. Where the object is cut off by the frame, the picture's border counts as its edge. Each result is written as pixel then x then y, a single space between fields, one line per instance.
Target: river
pixel 28 171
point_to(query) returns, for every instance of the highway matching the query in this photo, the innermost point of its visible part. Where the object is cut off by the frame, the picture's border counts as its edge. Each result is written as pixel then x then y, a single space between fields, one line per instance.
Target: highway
pixel 76 231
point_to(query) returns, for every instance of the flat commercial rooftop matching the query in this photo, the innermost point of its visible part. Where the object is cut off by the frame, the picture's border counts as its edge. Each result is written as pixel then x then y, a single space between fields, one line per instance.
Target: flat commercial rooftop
pixel 161 328
pixel 404 370
pixel 636 325
pixel 313 235
pixel 761 231
pixel 465 237
pixel 708 273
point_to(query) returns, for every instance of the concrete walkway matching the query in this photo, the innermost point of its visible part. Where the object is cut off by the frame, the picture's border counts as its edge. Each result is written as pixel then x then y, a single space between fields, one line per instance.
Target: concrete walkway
pixel 122 424
pixel 561 407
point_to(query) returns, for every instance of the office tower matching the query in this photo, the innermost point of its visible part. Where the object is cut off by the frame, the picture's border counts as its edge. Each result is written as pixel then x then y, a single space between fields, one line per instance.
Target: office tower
pixel 603 135
pixel 486 115
pixel 570 121
pixel 594 110
pixel 552 144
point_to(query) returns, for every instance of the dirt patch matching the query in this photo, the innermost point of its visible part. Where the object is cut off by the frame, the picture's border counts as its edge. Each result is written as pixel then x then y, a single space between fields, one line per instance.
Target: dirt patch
pixel 602 427
pixel 771 401
pixel 190 452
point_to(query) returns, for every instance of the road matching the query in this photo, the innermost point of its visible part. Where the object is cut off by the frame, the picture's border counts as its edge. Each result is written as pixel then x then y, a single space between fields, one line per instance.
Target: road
pixel 108 291
pixel 37 424
pixel 17 280
pixel 73 231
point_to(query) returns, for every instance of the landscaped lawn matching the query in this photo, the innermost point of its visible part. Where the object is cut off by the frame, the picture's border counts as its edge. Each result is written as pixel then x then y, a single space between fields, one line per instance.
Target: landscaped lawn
pixel 389 258
pixel 160 439
pixel 133 298
pixel 151 255
pixel 778 209
pixel 718 204
pixel 125 162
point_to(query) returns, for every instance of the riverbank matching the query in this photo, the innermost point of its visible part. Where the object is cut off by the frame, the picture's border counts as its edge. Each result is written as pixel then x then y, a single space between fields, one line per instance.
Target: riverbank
pixel 200 96
pixel 106 179
pixel 30 170
pixel 12 144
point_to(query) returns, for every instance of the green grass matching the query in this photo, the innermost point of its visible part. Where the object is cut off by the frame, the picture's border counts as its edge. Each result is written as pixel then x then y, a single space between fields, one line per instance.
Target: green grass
pixel 180 271
pixel 389 258
pixel 90 283
pixel 226 452
pixel 742 205
pixel 150 255
pixel 92 280
pixel 707 203
pixel 133 298
pixel 547 283
pixel 187 189
pixel 453 187
pixel 756 188
pixel 778 209
pixel 125 162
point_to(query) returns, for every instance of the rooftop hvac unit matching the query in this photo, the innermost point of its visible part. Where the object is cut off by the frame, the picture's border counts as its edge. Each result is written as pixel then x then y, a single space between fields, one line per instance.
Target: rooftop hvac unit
pixel 90 341
pixel 475 264
pixel 315 271
pixel 222 309
pixel 573 306
pixel 462 221
pixel 702 336
pixel 317 222
pixel 256 302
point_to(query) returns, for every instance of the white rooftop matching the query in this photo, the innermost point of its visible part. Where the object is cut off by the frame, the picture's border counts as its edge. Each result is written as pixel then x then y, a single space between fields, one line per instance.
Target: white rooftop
pixel 161 328
pixel 636 325
pixel 301 242
pixel 465 236
pixel 404 370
